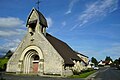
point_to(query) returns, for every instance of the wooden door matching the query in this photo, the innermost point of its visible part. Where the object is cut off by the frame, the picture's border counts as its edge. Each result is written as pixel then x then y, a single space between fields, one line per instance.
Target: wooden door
pixel 35 67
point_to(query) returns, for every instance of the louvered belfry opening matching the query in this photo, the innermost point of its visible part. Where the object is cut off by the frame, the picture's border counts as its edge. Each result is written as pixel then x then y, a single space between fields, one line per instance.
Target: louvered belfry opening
pixel 32 26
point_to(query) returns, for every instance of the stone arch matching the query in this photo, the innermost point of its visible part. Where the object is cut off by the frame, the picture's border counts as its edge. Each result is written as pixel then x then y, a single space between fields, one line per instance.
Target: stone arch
pixel 30 48
pixel 27 58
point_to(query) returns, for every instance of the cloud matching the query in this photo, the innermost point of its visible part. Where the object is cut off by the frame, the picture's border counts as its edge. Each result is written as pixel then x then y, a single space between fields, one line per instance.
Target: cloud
pixel 8 33
pixel 113 51
pixel 94 11
pixel 10 22
pixel 10 45
pixel 115 25
pixel 63 23
pixel 72 3
pixel 49 21
pixel 11 30
pixel 21 31
pixel 7 24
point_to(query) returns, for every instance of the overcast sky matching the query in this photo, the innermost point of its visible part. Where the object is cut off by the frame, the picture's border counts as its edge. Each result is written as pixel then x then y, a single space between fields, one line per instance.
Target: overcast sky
pixel 91 27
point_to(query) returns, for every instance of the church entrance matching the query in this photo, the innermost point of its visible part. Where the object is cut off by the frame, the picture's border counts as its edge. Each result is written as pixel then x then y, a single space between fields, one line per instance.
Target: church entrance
pixel 31 62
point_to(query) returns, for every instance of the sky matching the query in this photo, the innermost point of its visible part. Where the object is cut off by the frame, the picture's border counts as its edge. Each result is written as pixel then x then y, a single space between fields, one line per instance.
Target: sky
pixel 91 27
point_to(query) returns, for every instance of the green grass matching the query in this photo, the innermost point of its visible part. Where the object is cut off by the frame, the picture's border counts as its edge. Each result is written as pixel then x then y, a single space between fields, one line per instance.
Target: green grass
pixel 3 63
pixel 82 75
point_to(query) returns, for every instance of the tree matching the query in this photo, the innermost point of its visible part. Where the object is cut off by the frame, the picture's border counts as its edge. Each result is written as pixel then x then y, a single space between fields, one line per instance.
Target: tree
pixel 119 60
pixel 8 54
pixel 4 60
pixel 107 60
pixel 94 60
pixel 117 63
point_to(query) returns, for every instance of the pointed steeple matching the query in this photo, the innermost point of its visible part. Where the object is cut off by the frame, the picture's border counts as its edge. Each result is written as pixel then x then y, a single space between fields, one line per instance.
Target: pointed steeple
pixel 36 18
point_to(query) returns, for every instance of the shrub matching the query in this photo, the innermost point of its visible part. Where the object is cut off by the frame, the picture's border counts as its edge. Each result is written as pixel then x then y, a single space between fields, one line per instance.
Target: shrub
pixel 76 72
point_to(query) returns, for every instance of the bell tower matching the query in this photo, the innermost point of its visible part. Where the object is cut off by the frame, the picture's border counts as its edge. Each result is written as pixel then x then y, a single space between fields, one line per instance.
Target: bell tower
pixel 36 22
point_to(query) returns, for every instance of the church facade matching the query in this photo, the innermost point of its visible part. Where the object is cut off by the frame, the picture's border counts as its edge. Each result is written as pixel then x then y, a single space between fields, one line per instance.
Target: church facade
pixel 41 53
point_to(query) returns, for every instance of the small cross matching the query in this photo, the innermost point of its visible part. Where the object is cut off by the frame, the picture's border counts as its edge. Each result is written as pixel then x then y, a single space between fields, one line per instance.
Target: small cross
pixel 38 3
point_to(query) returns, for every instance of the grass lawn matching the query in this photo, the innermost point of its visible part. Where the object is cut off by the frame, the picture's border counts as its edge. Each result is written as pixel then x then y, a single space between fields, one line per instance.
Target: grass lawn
pixel 3 63
pixel 82 75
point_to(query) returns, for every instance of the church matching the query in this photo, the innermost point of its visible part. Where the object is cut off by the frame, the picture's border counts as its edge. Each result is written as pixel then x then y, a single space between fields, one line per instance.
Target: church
pixel 41 53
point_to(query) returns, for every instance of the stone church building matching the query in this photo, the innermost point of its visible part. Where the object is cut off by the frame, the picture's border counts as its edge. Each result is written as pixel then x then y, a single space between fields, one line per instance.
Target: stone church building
pixel 41 53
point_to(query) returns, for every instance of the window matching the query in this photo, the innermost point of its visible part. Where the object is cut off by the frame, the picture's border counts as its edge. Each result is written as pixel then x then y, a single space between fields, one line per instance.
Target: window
pixel 36 57
pixel 32 25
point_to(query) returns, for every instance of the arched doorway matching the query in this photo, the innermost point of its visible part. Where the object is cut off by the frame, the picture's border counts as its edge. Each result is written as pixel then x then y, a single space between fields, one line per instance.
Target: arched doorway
pixel 29 56
pixel 31 62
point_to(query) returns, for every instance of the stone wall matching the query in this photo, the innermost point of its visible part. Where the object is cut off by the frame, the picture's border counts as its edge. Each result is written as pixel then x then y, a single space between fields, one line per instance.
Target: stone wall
pixel 52 60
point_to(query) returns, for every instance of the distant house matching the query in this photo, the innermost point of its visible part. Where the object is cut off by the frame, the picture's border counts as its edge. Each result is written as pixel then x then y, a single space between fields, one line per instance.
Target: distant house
pixel 90 64
pixel 8 54
pixel 103 63
pixel 108 62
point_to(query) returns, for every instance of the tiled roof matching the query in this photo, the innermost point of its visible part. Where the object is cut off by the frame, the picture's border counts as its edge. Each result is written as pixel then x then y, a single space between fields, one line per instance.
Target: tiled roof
pixel 63 49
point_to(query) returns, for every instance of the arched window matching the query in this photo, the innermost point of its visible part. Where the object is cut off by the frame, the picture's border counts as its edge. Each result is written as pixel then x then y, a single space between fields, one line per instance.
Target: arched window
pixel 36 57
